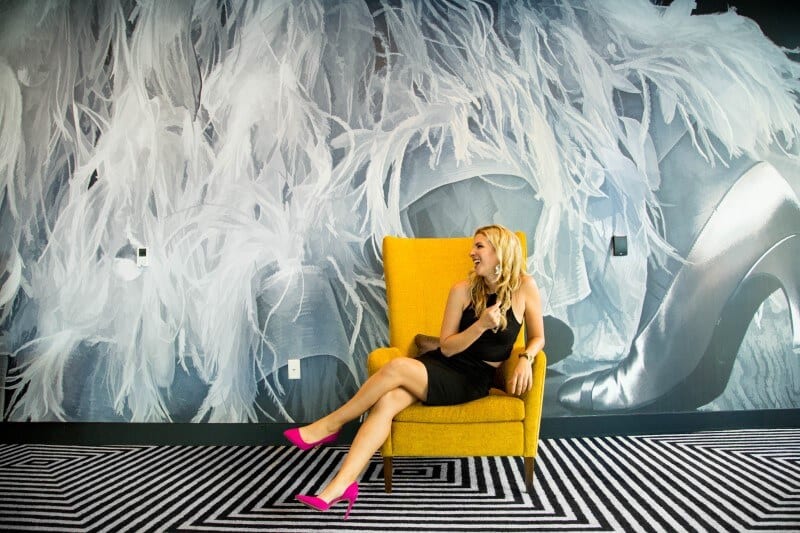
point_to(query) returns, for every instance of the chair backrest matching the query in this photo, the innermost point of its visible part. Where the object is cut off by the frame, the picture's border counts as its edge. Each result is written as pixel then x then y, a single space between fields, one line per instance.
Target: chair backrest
pixel 419 273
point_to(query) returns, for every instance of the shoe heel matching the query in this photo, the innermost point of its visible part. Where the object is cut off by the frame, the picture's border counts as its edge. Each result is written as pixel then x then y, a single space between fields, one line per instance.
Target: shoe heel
pixel 350 504
pixel 779 265
pixel 351 494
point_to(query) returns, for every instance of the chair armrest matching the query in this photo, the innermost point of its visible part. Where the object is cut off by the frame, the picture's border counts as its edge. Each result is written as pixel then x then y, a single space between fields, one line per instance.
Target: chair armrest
pixel 533 399
pixel 379 357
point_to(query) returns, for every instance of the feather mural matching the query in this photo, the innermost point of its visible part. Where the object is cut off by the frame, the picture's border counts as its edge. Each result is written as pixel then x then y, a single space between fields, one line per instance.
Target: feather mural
pixel 261 150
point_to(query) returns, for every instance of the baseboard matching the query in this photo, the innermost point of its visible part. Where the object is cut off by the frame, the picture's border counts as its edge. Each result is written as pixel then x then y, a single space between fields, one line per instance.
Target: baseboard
pixel 107 433
pixel 663 423
pixel 122 433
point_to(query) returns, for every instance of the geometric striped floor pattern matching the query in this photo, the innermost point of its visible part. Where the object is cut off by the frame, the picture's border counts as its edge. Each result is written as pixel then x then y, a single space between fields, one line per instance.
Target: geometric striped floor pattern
pixel 710 481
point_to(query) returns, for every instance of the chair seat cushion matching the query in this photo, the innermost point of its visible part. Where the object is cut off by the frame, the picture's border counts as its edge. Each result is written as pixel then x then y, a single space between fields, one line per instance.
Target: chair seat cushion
pixel 497 407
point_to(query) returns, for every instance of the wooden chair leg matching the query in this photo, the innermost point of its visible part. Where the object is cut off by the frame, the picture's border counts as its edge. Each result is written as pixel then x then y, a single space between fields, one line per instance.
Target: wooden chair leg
pixel 387 474
pixel 529 474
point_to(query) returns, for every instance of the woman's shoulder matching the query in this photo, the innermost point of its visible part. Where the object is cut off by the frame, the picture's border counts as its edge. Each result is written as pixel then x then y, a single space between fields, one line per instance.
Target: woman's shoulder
pixel 458 299
pixel 460 291
pixel 461 287
pixel 528 285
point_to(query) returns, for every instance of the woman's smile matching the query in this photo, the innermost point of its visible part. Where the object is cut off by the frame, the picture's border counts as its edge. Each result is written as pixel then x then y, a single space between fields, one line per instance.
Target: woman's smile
pixel 484 257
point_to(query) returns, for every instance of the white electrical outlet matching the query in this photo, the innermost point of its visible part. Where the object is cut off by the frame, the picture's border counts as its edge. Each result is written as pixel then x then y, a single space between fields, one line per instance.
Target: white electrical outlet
pixel 294 368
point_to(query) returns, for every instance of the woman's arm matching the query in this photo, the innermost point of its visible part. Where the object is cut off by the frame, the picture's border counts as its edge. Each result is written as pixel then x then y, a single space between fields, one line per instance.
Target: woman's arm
pixel 534 322
pixel 522 379
pixel 453 342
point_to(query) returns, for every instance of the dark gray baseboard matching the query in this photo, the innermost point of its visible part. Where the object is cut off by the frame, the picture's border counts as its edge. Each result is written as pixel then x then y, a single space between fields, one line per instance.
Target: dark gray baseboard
pixel 107 433
pixel 663 423
pixel 121 433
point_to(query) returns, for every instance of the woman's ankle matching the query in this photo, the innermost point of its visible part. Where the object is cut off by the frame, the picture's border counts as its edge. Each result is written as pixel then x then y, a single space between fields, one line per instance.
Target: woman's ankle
pixel 334 490
pixel 329 425
pixel 321 428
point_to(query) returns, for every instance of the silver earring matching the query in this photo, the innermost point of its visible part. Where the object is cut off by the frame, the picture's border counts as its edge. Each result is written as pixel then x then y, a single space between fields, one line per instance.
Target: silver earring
pixel 498 270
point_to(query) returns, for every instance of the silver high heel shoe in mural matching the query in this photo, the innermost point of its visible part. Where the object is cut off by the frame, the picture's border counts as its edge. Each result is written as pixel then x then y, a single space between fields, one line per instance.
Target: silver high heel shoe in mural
pixel 683 354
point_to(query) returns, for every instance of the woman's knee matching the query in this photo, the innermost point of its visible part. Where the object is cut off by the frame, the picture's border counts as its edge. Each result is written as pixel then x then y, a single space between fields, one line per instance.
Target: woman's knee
pixel 401 367
pixel 394 401
pixel 408 374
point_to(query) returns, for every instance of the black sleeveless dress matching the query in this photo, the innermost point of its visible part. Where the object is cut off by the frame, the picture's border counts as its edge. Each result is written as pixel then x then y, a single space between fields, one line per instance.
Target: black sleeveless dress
pixel 465 376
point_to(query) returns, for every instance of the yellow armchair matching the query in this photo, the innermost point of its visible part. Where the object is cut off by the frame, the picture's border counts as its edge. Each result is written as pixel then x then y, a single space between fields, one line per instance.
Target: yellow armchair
pixel 419 273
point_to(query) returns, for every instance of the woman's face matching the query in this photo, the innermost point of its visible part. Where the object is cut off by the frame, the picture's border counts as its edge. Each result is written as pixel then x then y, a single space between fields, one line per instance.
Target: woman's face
pixel 484 256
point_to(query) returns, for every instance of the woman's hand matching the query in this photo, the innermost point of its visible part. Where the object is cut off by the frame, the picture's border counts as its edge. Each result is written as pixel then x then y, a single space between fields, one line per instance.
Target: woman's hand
pixel 490 318
pixel 521 379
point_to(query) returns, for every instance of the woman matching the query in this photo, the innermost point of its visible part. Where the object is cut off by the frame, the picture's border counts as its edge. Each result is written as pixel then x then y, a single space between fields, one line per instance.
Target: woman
pixel 481 321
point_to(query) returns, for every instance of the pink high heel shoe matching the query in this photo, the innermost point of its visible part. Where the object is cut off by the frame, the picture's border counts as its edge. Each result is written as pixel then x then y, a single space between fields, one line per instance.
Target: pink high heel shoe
pixel 350 494
pixel 293 436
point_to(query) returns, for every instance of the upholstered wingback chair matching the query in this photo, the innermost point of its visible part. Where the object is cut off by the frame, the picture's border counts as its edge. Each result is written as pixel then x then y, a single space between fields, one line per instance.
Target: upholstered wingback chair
pixel 419 274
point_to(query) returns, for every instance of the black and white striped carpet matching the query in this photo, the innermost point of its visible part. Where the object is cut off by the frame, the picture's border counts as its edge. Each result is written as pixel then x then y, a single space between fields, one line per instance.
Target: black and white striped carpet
pixel 714 481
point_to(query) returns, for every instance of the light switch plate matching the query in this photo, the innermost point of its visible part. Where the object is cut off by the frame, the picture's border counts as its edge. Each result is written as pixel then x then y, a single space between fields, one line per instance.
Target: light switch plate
pixel 619 245
pixel 142 259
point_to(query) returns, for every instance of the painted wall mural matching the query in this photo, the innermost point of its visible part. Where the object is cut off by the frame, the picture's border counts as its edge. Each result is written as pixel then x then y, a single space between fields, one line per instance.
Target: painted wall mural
pixel 260 151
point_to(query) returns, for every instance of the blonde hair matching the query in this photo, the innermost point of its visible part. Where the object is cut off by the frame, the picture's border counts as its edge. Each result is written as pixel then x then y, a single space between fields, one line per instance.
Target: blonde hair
pixel 512 268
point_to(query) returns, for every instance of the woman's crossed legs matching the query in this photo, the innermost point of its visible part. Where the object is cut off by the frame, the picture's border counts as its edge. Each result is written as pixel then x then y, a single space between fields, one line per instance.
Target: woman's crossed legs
pixel 398 384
